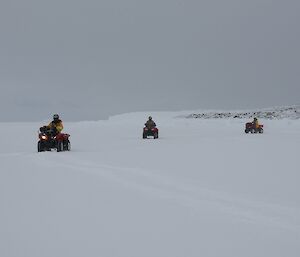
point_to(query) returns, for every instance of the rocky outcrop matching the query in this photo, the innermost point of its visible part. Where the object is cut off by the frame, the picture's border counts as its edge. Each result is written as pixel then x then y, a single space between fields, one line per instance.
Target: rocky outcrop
pixel 292 112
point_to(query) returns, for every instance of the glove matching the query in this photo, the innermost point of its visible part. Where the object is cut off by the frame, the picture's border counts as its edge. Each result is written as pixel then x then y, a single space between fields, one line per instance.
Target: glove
pixel 43 129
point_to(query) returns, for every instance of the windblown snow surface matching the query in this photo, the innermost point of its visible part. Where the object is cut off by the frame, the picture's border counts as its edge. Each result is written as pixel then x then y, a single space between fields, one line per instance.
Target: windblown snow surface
pixel 204 188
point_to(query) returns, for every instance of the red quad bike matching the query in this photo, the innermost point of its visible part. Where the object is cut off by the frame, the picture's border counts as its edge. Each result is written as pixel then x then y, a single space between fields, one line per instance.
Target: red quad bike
pixel 250 127
pixel 150 132
pixel 48 140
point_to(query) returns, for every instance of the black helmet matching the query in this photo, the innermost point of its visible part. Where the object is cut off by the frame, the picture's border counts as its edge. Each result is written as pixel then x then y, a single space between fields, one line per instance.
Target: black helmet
pixel 150 118
pixel 255 118
pixel 55 117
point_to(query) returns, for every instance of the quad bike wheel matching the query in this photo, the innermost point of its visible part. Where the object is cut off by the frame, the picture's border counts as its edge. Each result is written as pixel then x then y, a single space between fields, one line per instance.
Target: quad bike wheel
pixel 39 147
pixel 67 145
pixel 60 146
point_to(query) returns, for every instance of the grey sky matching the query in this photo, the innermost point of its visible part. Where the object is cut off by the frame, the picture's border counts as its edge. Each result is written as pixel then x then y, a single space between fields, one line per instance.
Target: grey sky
pixel 94 58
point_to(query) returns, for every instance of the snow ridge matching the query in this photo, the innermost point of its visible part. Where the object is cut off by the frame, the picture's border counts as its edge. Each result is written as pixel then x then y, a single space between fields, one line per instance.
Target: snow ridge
pixel 291 112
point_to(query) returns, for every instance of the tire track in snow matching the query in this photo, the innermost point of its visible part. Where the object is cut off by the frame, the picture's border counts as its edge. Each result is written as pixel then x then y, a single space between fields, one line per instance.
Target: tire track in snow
pixel 196 198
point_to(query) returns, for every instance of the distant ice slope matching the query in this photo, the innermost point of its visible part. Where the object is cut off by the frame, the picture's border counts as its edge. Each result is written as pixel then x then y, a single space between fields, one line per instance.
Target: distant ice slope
pixel 292 112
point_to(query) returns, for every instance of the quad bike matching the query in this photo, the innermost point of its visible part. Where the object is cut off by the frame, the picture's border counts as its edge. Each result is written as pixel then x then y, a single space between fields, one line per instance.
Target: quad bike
pixel 150 132
pixel 250 127
pixel 50 139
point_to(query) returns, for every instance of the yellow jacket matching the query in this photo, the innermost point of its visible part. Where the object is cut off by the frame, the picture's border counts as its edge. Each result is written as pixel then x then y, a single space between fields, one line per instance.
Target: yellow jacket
pixel 58 125
pixel 256 124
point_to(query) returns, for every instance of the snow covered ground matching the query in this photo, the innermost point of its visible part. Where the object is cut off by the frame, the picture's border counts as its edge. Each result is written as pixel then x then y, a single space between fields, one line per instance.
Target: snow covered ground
pixel 204 188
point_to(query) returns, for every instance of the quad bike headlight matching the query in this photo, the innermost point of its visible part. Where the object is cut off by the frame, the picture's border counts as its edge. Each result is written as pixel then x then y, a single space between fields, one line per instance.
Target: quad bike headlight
pixel 44 137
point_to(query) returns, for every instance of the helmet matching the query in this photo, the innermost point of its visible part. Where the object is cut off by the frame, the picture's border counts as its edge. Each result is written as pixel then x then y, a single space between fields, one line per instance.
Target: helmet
pixel 255 118
pixel 55 117
pixel 150 118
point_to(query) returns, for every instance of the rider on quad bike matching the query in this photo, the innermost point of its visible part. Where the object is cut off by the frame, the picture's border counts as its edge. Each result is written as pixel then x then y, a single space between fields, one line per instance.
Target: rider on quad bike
pixel 254 127
pixel 51 136
pixel 150 129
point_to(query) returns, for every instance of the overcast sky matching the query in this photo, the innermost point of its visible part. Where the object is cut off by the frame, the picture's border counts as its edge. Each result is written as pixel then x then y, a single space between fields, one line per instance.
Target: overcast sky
pixel 90 59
